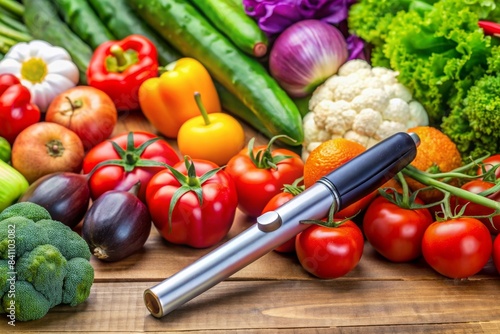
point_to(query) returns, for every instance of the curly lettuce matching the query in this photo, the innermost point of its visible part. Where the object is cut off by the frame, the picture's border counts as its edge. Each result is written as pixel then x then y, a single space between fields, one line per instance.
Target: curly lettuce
pixel 473 125
pixel 439 56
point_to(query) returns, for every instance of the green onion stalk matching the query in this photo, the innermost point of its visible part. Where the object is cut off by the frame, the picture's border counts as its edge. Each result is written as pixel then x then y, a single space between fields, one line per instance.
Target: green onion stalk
pixel 12 28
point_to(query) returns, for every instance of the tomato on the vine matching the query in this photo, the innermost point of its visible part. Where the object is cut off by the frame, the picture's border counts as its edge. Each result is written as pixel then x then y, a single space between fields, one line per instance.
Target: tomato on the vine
pixel 127 159
pixel 496 253
pixel 260 173
pixel 489 163
pixel 395 232
pixel 457 247
pixel 474 209
pixel 289 192
pixel 192 203
pixel 330 252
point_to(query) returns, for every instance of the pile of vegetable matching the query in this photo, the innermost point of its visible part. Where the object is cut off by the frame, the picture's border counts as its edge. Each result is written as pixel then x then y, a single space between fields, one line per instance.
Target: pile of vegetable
pixel 302 73
pixel 445 60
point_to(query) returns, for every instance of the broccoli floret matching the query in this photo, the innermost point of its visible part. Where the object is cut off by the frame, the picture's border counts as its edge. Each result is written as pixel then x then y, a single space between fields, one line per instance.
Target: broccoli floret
pixel 25 303
pixel 78 281
pixel 42 264
pixel 28 210
pixel 19 235
pixel 45 268
pixel 69 243
pixel 474 125
pixel 4 277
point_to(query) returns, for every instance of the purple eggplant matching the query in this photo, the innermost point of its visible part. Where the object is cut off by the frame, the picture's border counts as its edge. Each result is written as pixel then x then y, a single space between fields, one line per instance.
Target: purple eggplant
pixel 65 195
pixel 116 225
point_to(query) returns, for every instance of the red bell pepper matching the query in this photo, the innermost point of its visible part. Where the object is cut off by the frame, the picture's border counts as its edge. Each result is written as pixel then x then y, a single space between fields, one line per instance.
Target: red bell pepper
pixel 16 110
pixel 120 67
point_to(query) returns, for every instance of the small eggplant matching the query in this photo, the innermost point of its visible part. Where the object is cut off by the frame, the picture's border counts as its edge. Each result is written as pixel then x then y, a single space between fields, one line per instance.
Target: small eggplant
pixel 65 195
pixel 116 225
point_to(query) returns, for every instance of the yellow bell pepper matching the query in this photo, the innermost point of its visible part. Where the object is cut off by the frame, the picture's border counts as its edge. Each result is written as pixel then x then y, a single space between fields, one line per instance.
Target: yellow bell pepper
pixel 167 101
pixel 216 137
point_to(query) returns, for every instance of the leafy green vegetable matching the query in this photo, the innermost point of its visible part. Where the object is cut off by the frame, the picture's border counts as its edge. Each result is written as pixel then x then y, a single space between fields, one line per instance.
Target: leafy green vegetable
pixel 474 125
pixel 438 56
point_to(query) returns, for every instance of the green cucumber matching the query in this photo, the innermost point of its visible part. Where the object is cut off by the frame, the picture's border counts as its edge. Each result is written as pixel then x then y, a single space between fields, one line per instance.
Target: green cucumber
pixel 232 21
pixel 122 21
pixel 83 21
pixel 189 32
pixel 5 150
pixel 40 16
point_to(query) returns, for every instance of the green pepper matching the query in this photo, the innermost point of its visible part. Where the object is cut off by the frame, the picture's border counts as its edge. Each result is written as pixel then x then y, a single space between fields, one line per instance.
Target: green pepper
pixel 12 185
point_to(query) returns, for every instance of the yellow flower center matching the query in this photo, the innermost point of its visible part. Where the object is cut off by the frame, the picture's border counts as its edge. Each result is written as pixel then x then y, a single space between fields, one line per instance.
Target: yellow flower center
pixel 34 70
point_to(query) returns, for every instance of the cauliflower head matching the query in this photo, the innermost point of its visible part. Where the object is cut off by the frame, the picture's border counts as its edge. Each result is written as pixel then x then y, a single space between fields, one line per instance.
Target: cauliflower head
pixel 361 103
pixel 43 263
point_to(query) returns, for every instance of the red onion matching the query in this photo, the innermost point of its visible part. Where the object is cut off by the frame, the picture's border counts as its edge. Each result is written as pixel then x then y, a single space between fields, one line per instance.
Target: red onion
pixel 305 55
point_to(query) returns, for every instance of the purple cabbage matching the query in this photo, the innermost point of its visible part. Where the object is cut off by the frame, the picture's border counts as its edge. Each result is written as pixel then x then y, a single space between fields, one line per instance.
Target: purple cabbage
pixel 274 16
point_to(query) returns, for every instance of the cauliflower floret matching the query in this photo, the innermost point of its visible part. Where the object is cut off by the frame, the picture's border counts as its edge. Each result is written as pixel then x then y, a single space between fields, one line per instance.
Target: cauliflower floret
pixel 321 93
pixel 397 110
pixel 348 88
pixel 312 132
pixel 334 117
pixel 398 90
pixel 353 66
pixel 388 128
pixel 418 115
pixel 356 137
pixel 374 98
pixel 367 122
pixel 387 76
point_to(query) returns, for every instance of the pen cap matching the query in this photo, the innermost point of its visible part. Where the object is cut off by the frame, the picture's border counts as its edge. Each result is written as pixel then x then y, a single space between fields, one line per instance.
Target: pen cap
pixel 372 168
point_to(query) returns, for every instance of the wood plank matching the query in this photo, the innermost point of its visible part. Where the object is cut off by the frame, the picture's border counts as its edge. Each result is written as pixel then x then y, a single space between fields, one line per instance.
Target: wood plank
pixel 245 305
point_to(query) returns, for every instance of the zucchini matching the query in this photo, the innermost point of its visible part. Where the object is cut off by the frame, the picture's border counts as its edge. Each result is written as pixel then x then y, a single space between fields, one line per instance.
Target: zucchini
pixel 231 20
pixel 82 19
pixel 40 16
pixel 121 20
pixel 243 76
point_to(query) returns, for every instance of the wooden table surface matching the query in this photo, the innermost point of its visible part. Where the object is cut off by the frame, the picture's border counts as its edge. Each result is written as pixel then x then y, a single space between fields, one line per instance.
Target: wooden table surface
pixel 275 295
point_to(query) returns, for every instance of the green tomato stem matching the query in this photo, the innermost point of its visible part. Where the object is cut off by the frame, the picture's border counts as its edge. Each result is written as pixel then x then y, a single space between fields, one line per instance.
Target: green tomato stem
pixel 424 179
pixel 203 111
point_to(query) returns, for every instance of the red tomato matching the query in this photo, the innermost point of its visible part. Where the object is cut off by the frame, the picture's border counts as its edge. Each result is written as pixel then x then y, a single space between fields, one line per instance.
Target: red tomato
pixel 86 110
pixel 277 201
pixel 474 209
pixel 258 181
pixel 131 160
pixel 396 233
pixel 489 163
pixel 457 247
pixel 496 253
pixel 330 252
pixel 193 224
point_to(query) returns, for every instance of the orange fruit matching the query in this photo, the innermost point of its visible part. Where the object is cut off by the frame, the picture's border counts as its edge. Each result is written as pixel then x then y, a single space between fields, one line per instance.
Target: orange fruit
pixel 437 153
pixel 328 156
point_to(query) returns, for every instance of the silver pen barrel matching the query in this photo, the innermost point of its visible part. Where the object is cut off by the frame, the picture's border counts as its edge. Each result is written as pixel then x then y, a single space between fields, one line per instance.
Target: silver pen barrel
pixel 337 190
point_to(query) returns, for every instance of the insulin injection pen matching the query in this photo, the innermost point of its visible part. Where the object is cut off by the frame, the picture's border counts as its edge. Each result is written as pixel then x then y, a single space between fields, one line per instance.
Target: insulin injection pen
pixel 340 188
